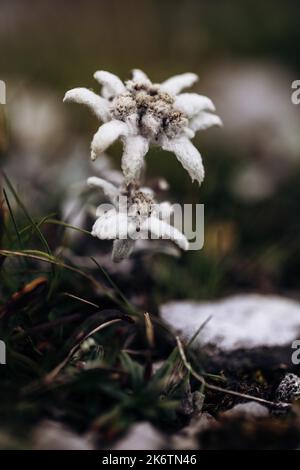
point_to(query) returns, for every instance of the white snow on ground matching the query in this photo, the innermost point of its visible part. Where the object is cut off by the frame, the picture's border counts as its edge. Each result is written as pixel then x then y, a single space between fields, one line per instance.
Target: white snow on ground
pixel 242 321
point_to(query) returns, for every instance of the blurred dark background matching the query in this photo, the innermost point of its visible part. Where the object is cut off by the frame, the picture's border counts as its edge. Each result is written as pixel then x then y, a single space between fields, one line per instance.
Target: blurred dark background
pixel 246 55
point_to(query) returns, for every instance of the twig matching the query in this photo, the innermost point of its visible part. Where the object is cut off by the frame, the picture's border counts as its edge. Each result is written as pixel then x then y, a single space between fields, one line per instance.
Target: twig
pixel 51 375
pixel 201 379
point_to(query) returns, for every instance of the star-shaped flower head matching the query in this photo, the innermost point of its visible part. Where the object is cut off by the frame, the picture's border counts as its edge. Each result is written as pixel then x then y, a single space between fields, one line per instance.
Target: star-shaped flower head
pixel 141 113
pixel 134 215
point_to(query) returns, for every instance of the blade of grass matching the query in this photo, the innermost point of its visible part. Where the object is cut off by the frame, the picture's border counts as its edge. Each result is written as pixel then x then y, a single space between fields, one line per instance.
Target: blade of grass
pixel 36 229
pixel 39 223
pixel 12 218
pixel 134 370
pixel 26 213
pixel 74 317
pixel 129 307
pixel 66 225
pixel 41 256
pixel 198 331
pixel 149 330
pixel 72 296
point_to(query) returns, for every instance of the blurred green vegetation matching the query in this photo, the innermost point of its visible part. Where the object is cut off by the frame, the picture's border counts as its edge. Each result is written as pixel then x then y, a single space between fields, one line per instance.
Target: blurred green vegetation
pixel 62 44
pixel 58 45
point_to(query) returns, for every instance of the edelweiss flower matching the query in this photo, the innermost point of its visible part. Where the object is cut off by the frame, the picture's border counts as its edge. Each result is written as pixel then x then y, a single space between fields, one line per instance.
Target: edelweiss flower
pixel 143 113
pixel 133 215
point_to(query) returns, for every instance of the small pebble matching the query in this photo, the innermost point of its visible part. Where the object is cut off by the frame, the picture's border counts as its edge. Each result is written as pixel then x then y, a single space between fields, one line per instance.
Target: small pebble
pixel 288 389
pixel 250 410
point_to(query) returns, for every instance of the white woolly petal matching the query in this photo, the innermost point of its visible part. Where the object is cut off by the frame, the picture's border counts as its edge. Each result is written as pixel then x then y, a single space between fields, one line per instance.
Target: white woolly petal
pixel 177 83
pixel 100 210
pixel 106 93
pixel 111 225
pixel 165 210
pixel 135 149
pixel 106 135
pixel 140 76
pixel 112 83
pixel 192 103
pixel 110 191
pixel 160 229
pixel 122 249
pixel 204 120
pixel 189 133
pixel 188 156
pixel 87 97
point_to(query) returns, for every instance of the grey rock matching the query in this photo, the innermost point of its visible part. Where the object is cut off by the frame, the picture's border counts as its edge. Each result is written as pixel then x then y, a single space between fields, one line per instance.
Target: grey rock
pixel 51 435
pixel 142 436
pixel 187 438
pixel 250 410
